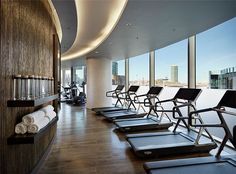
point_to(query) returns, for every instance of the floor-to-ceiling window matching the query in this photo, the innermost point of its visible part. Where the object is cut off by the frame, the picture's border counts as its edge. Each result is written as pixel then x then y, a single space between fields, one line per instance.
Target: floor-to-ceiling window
pixel 65 77
pixel 171 69
pixel 79 77
pixel 171 65
pixel 139 72
pixel 118 72
pixel 216 67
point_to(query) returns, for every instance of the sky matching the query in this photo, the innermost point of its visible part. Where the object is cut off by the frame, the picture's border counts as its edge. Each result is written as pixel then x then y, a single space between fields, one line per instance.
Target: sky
pixel 216 50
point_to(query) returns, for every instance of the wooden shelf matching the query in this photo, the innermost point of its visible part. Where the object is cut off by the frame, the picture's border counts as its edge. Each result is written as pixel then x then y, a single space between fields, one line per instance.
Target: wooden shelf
pixel 31 103
pixel 30 138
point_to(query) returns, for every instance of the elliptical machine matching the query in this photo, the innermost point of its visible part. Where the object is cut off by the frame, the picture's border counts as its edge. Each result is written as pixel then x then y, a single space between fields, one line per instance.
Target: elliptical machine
pixel 71 94
pixel 81 98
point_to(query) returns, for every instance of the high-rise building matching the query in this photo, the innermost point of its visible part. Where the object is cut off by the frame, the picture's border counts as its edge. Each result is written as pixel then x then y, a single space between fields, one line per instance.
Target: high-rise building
pixel 224 79
pixel 174 73
pixel 114 68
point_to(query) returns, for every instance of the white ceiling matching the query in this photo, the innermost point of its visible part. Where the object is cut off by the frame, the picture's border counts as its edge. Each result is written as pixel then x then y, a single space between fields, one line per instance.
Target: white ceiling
pixel 147 25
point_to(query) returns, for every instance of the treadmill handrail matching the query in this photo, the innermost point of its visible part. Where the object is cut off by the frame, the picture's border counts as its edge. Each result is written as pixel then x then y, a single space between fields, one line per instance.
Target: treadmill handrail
pixel 207 110
pixel 128 98
pixel 163 101
pixel 181 106
pixel 118 89
pixel 115 94
pixel 147 101
pixel 223 124
pixel 151 94
pixel 138 96
pixel 150 98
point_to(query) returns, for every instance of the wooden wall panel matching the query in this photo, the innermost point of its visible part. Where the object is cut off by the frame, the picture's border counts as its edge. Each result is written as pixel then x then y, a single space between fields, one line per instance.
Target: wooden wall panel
pixel 26 47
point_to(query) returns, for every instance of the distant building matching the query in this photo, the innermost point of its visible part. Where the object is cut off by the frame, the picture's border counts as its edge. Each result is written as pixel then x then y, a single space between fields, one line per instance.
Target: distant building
pixel 224 79
pixel 118 80
pixel 114 68
pixel 174 74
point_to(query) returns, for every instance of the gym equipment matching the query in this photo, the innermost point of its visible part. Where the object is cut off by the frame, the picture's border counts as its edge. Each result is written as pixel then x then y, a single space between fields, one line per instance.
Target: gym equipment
pixel 211 165
pixel 128 97
pixel 115 94
pixel 173 143
pixel 149 121
pixel 71 96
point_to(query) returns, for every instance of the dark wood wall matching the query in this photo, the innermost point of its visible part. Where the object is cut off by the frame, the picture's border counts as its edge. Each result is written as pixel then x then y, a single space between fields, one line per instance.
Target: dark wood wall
pixel 26 47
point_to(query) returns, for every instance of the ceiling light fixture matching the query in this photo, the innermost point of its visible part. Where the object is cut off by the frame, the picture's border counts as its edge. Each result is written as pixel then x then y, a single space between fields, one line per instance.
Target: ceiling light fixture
pixel 105 14
pixel 128 24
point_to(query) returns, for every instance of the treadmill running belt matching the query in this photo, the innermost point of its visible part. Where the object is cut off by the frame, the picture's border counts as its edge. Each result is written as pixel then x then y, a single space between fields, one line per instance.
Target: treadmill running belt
pixel 117 114
pixel 111 109
pixel 95 109
pixel 223 167
pixel 158 141
pixel 136 122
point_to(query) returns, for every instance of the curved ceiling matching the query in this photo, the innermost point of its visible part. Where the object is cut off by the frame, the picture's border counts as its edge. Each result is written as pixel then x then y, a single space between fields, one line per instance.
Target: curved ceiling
pixel 148 25
pixel 95 21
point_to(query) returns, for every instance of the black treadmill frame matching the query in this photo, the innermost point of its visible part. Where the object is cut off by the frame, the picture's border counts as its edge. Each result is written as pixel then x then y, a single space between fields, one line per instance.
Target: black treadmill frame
pixel 228 100
pixel 130 102
pixel 150 97
pixel 114 94
pixel 184 94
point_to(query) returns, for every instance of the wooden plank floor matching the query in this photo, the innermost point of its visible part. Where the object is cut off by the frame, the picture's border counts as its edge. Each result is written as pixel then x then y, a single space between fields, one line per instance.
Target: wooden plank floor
pixel 85 143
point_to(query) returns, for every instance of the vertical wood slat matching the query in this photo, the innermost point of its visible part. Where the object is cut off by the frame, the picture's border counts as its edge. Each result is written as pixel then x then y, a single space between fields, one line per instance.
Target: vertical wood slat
pixel 26 47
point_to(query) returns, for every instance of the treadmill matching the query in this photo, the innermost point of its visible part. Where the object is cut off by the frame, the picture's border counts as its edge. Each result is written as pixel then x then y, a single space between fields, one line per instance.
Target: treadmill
pixel 128 96
pixel 212 165
pixel 149 121
pixel 114 94
pixel 175 142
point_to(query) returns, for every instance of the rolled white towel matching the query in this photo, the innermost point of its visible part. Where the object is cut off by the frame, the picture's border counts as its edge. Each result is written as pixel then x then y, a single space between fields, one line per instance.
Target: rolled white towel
pixel 21 128
pixel 33 117
pixel 34 128
pixel 51 115
pixel 48 108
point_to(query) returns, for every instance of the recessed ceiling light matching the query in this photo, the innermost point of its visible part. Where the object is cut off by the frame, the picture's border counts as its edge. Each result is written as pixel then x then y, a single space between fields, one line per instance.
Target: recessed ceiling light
pixel 96 52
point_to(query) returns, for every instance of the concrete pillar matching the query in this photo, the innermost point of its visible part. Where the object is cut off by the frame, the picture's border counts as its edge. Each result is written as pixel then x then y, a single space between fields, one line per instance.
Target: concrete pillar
pixel 99 80
pixel 192 62
pixel 126 74
pixel 151 68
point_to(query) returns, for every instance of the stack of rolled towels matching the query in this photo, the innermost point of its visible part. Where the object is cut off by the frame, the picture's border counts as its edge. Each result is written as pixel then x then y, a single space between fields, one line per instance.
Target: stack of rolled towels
pixel 35 121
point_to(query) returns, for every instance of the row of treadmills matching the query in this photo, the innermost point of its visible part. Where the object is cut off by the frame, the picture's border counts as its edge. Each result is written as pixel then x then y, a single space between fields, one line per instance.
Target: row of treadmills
pixel 165 142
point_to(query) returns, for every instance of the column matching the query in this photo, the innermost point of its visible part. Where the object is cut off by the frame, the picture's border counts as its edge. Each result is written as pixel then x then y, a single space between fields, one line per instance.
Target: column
pixel 126 74
pixel 99 80
pixel 151 68
pixel 192 62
